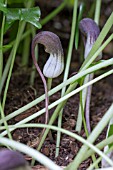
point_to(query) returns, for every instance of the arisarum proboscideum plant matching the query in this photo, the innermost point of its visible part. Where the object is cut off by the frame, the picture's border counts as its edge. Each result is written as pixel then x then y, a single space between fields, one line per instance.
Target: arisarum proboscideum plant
pixel 54 65
pixel 90 32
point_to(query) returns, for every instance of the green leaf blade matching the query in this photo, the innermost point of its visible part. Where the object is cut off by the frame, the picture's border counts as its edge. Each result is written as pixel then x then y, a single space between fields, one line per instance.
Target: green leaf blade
pixel 3 7
pixel 30 15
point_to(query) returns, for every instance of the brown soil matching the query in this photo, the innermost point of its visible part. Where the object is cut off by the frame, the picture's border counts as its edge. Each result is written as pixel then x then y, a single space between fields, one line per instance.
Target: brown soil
pixel 20 93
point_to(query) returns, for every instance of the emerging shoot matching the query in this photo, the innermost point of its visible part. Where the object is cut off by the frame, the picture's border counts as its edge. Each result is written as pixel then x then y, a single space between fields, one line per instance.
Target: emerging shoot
pixel 90 32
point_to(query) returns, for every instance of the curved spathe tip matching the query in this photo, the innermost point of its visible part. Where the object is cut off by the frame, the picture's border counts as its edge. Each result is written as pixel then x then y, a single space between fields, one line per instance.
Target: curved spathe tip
pixel 90 32
pixel 87 27
pixel 50 40
pixel 55 64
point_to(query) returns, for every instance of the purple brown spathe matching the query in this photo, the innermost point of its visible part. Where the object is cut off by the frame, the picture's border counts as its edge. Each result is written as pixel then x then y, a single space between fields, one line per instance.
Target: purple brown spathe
pixel 90 32
pixel 10 160
pixel 55 64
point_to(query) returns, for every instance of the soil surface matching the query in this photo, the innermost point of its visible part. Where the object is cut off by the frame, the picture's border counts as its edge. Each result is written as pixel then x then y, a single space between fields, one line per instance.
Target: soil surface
pixel 21 93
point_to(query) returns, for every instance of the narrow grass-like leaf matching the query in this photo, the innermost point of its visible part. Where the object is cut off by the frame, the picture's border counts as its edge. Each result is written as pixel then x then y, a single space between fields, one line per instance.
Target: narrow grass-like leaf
pixel 110 133
pixel 91 167
pixel 59 87
pixel 97 11
pixel 88 90
pixel 93 136
pixel 7 66
pixel 79 138
pixel 5 122
pixel 66 73
pixel 64 98
pixel 81 10
pixel 1 43
pixel 34 125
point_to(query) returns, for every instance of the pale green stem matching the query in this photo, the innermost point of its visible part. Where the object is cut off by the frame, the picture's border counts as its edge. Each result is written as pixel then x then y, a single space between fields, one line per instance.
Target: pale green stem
pixel 63 99
pixel 5 122
pixel 79 138
pixel 57 88
pixel 26 49
pixel 32 77
pixel 92 166
pixel 32 152
pixel 100 145
pixel 1 49
pixel 1 44
pixel 97 11
pixel 14 50
pixel 69 55
pixel 85 91
pixel 93 136
pixel 26 43
pixel 82 110
pixel 79 118
pixel 7 66
pixel 49 84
